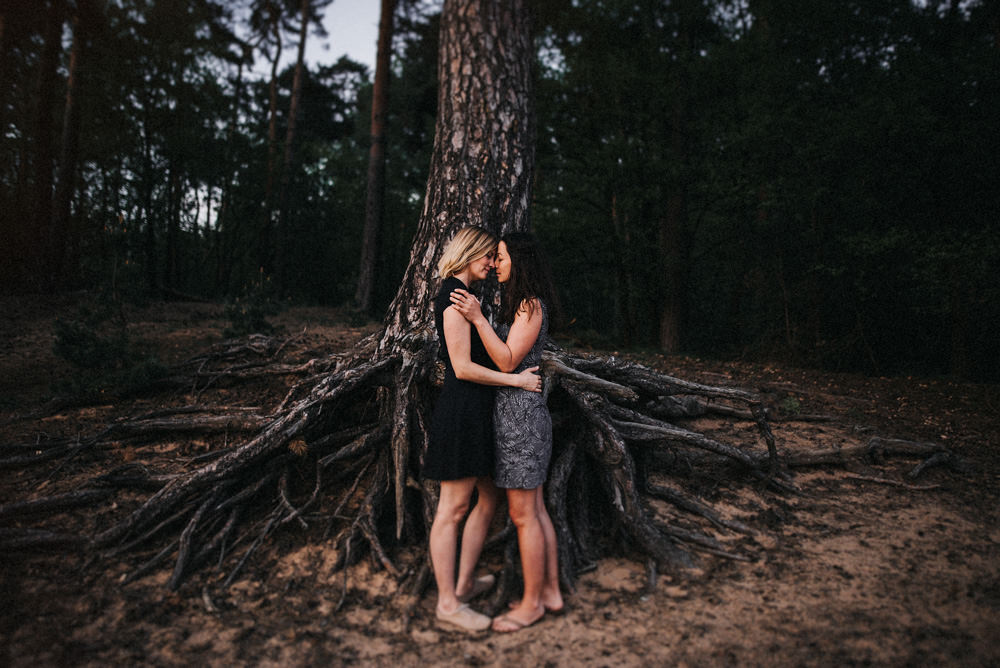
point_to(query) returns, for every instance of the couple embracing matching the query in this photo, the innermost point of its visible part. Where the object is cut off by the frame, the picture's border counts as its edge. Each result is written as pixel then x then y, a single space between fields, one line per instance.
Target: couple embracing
pixel 491 429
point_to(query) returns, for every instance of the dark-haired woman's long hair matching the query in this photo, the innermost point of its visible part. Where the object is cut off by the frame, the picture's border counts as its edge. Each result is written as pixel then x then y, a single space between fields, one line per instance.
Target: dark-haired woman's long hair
pixel 530 277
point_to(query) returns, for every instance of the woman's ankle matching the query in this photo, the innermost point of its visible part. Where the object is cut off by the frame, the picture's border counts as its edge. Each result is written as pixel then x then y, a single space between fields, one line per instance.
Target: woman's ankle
pixel 448 606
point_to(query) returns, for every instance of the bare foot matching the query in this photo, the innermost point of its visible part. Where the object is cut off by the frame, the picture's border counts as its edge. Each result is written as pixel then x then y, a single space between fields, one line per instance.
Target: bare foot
pixel 552 603
pixel 517 619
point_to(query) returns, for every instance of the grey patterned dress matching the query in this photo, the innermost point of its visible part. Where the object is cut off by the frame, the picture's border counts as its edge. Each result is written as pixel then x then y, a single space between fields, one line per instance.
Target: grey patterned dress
pixel 522 425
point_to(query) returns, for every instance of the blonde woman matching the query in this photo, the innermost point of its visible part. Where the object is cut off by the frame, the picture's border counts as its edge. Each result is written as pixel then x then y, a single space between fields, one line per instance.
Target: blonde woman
pixel 460 447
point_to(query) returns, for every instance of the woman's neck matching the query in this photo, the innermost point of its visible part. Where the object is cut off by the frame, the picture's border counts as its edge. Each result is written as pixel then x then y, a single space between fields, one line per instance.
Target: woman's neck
pixel 465 276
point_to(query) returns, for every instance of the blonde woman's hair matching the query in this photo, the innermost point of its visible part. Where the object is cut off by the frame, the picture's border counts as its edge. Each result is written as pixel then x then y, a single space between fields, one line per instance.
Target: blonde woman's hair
pixel 468 244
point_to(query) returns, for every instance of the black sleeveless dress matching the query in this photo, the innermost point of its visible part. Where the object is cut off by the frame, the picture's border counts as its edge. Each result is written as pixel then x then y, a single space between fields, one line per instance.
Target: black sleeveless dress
pixel 460 443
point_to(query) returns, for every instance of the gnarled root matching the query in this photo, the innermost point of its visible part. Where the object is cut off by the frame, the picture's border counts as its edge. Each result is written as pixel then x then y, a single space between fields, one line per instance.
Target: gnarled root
pixel 342 451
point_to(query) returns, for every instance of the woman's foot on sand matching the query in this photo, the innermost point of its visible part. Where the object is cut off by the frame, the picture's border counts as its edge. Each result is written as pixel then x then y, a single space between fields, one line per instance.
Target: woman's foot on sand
pixel 553 603
pixel 517 619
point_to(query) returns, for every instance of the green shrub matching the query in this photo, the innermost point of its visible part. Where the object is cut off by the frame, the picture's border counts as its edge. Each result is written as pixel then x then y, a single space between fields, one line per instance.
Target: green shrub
pixel 790 406
pixel 96 342
pixel 248 313
pixel 83 345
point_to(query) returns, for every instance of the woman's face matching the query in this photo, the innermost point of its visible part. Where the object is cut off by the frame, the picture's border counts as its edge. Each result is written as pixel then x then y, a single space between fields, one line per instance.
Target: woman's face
pixel 481 267
pixel 503 263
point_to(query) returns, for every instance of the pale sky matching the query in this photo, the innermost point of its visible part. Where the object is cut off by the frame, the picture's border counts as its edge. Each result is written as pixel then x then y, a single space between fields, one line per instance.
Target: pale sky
pixel 353 29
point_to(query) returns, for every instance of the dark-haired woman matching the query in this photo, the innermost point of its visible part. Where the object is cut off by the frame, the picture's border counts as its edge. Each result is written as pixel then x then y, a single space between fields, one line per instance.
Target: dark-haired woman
pixel 521 421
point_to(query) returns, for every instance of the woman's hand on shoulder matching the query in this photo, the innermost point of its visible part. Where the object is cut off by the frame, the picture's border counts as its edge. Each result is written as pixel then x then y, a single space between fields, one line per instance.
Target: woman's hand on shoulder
pixel 466 303
pixel 530 380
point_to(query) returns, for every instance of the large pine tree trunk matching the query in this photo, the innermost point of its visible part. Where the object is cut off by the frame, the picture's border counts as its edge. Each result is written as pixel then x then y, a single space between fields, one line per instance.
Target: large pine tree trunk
pixel 484 153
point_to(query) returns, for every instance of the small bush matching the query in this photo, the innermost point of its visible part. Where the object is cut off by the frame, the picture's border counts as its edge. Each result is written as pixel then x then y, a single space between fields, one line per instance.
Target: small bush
pixel 790 406
pixel 107 362
pixel 83 345
pixel 248 313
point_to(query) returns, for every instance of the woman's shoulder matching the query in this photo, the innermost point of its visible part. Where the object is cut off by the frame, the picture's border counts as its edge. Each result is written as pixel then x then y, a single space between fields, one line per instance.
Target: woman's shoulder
pixel 530 305
pixel 449 284
pixel 442 300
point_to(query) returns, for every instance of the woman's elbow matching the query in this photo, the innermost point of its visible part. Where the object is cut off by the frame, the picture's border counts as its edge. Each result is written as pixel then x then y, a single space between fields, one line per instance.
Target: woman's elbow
pixel 507 367
pixel 463 373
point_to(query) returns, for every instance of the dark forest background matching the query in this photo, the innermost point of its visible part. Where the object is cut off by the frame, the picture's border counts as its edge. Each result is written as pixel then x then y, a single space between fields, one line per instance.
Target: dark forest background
pixel 814 182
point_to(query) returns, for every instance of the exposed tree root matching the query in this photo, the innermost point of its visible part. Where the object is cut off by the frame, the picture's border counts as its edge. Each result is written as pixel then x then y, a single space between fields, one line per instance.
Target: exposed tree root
pixel 52 504
pixel 889 481
pixel 343 451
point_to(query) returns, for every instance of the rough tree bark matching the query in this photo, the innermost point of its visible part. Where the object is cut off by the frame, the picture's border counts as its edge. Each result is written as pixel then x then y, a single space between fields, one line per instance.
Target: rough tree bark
pixel 344 445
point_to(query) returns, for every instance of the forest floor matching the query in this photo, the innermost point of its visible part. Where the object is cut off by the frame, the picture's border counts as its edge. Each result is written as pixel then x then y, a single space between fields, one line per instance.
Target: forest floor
pixel 864 567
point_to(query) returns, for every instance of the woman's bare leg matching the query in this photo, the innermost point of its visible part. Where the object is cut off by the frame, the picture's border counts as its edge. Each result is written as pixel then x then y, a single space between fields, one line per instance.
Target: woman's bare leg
pixel 474 534
pixel 551 595
pixel 531 543
pixel 453 503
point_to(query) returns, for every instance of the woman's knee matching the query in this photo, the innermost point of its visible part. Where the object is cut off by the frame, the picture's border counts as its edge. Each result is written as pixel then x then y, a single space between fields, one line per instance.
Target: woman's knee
pixel 453 512
pixel 522 507
pixel 452 508
pixel 487 497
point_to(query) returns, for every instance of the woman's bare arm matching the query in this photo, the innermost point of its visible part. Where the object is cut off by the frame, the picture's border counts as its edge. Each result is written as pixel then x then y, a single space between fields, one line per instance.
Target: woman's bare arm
pixel 522 336
pixel 457 335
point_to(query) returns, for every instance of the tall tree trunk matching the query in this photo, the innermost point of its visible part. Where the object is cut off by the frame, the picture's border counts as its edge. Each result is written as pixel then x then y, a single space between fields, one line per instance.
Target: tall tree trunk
pixel 621 245
pixel 674 257
pixel 264 255
pixel 42 204
pixel 673 233
pixel 5 70
pixel 286 167
pixel 224 237
pixel 484 152
pixel 959 301
pixel 4 46
pixel 66 182
pixel 149 235
pixel 375 201
pixel 171 269
pixel 10 230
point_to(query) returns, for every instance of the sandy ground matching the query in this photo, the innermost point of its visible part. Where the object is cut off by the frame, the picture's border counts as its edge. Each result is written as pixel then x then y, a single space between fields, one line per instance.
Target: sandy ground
pixel 865 567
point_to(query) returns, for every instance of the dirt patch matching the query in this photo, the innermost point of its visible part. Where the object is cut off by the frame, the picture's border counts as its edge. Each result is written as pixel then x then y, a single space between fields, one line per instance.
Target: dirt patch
pixel 864 567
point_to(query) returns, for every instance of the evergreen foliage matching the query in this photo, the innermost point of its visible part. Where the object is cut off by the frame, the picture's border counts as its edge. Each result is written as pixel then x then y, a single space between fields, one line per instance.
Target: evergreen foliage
pixel 249 311
pixel 814 182
pixel 107 360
